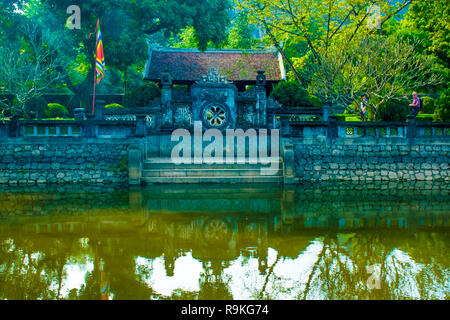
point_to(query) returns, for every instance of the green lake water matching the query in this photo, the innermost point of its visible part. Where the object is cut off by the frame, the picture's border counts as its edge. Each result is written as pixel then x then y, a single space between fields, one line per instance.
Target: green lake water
pixel 317 241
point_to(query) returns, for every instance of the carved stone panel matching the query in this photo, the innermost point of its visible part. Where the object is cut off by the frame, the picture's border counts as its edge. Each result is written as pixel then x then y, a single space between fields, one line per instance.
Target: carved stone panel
pixel 214 102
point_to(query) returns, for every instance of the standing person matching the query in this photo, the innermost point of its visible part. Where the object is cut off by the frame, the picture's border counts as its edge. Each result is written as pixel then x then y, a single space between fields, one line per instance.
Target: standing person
pixel 363 107
pixel 415 105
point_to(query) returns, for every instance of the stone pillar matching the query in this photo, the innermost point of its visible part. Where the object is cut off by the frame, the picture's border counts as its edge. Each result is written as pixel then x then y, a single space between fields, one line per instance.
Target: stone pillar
pixel 332 128
pixel 13 127
pixel 412 129
pixel 325 112
pixel 288 163
pixel 89 127
pixel 166 100
pixel 261 100
pixel 285 128
pixel 134 164
pixel 141 128
pixel 99 109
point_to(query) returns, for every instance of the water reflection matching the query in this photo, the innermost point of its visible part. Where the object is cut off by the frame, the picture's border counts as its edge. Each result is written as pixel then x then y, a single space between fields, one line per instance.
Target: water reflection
pixel 329 241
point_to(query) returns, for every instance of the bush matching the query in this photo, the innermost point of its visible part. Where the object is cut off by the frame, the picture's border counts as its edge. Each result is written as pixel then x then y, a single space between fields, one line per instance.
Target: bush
pixel 353 119
pixel 394 110
pixel 348 117
pixel 316 101
pixel 292 95
pixel 36 107
pixel 424 117
pixel 428 105
pixel 141 96
pixel 442 111
pixel 113 106
pixel 56 110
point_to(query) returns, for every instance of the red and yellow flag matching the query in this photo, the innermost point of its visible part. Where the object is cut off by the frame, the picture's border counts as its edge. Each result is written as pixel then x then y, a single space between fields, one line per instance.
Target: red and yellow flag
pixel 99 57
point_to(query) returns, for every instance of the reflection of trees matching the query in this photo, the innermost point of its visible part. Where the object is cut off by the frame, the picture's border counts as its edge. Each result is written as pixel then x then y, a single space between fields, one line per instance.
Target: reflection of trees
pixel 213 285
pixel 33 268
pixel 341 269
pixel 262 294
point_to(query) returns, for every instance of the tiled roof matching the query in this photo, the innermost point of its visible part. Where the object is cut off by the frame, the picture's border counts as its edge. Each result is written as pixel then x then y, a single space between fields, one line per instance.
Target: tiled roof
pixel 191 64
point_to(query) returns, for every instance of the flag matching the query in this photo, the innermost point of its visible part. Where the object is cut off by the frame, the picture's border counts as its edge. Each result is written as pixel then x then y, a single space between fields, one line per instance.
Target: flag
pixel 99 57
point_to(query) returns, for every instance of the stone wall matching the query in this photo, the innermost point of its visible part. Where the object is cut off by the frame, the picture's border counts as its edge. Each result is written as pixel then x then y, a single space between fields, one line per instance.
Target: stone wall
pixel 96 161
pixel 374 161
pixel 64 161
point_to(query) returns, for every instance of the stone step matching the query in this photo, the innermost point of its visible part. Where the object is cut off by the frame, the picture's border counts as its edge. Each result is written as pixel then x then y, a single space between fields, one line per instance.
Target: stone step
pixel 210 172
pixel 166 163
pixel 215 180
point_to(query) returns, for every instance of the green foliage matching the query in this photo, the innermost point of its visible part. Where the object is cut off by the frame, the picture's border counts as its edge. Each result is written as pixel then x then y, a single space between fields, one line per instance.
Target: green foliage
pixel 125 26
pixel 428 105
pixel 348 118
pixel 315 101
pixel 430 19
pixel 113 106
pixel 56 110
pixel 187 38
pixel 442 111
pixel 36 107
pixel 292 95
pixel 394 110
pixel 241 34
pixel 424 118
pixel 142 96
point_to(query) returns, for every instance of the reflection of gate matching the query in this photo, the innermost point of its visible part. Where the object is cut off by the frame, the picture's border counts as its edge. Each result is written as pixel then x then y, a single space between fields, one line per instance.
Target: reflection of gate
pixel 217 230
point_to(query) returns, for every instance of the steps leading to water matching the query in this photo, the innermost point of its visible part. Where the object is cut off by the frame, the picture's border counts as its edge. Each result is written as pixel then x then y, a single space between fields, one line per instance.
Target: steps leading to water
pixel 163 170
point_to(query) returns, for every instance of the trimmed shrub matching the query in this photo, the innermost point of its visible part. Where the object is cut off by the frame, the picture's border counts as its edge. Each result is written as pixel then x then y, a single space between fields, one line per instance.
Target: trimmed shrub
pixel 442 111
pixel 142 96
pixel 348 117
pixel 292 95
pixel 424 117
pixel 316 101
pixel 428 105
pixel 56 110
pixel 353 119
pixel 113 106
pixel 394 110
pixel 36 107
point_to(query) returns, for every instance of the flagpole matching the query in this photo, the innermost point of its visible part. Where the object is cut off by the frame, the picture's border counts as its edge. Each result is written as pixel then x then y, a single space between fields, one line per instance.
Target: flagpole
pixel 95 63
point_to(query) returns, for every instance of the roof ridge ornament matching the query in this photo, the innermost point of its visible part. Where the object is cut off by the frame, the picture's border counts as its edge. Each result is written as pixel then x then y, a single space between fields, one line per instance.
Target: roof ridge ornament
pixel 214 76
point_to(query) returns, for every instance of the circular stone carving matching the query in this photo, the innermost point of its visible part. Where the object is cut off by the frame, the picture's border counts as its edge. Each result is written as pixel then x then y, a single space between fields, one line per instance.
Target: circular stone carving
pixel 215 116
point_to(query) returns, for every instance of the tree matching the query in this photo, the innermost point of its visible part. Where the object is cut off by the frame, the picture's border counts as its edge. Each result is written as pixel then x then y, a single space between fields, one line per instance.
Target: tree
pixel 384 68
pixel 430 18
pixel 125 28
pixel 321 25
pixel 241 34
pixel 29 66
